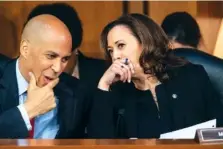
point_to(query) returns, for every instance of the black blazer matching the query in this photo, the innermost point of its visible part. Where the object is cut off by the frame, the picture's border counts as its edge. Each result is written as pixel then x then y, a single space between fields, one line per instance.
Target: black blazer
pixel 186 99
pixel 12 124
pixel 212 64
pixel 90 69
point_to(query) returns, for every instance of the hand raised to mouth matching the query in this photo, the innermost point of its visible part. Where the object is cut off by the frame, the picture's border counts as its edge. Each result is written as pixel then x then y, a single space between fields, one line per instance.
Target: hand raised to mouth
pixel 40 99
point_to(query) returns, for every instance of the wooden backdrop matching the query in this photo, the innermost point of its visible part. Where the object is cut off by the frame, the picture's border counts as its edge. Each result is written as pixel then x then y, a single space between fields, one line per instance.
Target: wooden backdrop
pixel 96 14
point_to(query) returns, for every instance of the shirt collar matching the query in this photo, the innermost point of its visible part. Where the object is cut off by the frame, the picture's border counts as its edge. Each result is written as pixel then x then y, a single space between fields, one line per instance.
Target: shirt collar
pixel 22 83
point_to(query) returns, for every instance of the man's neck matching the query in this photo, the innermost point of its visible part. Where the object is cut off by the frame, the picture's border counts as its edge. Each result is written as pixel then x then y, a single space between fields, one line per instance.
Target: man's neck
pixel 177 45
pixel 76 72
pixel 21 81
pixel 22 69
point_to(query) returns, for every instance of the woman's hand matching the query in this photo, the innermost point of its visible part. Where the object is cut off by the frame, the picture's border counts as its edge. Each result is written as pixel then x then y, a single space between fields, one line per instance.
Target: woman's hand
pixel 120 70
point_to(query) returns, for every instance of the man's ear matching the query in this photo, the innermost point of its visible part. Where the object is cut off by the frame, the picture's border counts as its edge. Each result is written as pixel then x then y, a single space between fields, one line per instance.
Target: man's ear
pixel 76 51
pixel 24 48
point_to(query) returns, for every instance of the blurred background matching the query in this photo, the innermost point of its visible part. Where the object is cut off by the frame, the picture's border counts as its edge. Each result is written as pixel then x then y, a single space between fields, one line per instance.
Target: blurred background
pixel 96 14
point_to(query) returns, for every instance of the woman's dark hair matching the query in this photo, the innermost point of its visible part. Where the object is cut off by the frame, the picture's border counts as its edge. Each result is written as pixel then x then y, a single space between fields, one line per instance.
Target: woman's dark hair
pixel 183 28
pixel 156 56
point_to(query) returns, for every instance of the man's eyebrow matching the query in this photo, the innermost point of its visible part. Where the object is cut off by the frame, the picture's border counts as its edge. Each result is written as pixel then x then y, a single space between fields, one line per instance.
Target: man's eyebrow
pixel 51 52
pixel 57 55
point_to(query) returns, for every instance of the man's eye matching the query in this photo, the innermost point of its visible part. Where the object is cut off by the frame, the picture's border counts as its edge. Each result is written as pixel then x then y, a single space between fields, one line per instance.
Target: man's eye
pixel 64 60
pixel 50 56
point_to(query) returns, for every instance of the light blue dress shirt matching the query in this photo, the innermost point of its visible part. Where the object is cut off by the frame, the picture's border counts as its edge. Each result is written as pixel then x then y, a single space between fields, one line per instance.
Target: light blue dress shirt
pixel 46 125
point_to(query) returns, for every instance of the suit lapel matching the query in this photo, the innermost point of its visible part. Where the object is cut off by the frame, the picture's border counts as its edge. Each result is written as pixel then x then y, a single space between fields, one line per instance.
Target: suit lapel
pixel 175 101
pixel 82 66
pixel 9 87
pixel 65 109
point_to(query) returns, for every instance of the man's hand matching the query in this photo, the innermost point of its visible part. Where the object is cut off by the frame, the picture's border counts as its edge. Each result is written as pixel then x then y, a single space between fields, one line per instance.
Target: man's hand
pixel 40 100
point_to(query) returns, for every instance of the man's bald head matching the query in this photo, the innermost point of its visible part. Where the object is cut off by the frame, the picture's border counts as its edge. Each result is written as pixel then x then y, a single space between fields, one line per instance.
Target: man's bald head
pixel 44 27
pixel 45 48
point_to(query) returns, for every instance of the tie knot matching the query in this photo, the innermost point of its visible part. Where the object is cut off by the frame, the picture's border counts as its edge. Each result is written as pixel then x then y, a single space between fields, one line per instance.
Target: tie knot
pixel 24 93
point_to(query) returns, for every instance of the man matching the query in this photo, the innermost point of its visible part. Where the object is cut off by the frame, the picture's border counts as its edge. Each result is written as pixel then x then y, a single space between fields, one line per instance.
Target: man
pixel 30 106
pixel 88 70
pixel 184 33
pixel 182 29
pixel 185 36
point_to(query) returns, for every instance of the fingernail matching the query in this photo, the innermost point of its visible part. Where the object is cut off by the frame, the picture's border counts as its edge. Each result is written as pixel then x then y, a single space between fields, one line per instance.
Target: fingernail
pixel 126 61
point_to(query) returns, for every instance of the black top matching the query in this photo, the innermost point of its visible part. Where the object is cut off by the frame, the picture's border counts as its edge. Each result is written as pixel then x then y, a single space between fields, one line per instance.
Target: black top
pixel 186 99
pixel 149 113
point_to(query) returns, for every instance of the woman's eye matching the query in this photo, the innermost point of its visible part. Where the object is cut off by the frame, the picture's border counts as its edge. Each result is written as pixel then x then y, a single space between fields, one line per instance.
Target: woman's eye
pixel 121 45
pixel 110 51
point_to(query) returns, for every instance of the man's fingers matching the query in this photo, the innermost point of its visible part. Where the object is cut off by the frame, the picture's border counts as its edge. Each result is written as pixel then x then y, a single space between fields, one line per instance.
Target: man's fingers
pixel 32 81
pixel 53 83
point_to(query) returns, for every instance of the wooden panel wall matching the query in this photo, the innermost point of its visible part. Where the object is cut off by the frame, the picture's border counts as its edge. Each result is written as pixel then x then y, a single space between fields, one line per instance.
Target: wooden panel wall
pixel 94 16
pixel 99 13
pixel 158 10
pixel 207 13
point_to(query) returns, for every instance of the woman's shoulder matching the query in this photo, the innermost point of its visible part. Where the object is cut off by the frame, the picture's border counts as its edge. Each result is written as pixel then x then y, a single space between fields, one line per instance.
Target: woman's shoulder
pixel 188 70
pixel 190 67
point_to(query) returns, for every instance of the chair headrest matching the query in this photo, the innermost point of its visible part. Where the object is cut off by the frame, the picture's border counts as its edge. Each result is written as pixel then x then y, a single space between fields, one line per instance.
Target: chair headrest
pixel 212 65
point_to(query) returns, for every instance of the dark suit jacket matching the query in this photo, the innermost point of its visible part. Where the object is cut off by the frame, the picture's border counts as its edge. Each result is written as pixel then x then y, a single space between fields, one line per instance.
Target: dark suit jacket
pixel 121 114
pixel 3 61
pixel 11 122
pixel 90 69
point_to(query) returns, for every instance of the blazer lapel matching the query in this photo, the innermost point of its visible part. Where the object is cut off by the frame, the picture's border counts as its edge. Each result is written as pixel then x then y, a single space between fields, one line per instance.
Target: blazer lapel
pixel 175 101
pixel 9 87
pixel 131 113
pixel 65 109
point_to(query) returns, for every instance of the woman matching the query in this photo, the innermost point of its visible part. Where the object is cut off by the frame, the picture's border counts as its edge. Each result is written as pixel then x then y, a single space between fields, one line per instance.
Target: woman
pixel 164 93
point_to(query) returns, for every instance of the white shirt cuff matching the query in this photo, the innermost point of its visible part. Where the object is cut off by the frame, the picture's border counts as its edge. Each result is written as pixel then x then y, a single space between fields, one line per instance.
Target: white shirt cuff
pixel 25 116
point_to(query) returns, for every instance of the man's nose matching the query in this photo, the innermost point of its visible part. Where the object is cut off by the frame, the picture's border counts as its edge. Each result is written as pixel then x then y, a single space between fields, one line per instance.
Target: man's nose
pixel 57 66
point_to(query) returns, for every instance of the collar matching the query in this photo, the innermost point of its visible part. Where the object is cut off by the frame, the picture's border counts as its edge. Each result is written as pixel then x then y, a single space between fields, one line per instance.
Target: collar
pixel 22 83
